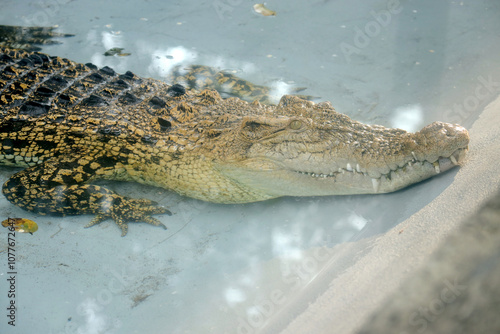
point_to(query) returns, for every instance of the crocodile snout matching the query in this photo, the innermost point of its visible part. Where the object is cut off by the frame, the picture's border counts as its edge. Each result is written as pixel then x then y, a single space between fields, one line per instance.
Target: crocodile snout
pixel 440 139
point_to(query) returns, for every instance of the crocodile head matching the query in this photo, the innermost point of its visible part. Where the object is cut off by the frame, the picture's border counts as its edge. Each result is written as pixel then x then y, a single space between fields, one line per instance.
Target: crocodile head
pixel 299 148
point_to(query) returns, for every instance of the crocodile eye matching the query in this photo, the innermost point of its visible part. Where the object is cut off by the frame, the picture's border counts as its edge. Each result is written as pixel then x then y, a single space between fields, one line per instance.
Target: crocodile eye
pixel 295 125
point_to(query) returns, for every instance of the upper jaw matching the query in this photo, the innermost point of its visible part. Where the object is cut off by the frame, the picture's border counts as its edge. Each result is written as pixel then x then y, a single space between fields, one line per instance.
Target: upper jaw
pixel 391 149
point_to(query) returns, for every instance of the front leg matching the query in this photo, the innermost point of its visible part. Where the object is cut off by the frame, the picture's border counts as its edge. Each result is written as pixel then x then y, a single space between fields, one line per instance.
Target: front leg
pixel 58 186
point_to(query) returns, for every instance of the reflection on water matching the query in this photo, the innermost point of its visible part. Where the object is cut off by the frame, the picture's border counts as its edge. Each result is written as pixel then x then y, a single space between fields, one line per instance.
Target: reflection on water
pixel 163 62
pixel 409 118
pixel 179 64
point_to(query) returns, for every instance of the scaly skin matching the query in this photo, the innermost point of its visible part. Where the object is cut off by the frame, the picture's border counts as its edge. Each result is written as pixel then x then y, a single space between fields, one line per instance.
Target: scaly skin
pixel 71 124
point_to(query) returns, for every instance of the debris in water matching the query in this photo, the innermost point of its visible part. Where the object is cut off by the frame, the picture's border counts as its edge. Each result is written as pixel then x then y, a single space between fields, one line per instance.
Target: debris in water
pixel 21 225
pixel 116 52
pixel 261 9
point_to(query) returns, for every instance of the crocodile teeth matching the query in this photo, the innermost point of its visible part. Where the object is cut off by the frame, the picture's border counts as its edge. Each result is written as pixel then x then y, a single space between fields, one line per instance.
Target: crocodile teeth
pixel 436 167
pixel 349 167
pixel 453 160
pixel 376 185
pixel 358 168
pixel 414 155
pixel 317 175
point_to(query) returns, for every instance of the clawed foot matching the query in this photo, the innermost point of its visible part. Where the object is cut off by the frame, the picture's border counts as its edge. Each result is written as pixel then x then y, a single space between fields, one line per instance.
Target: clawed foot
pixel 127 210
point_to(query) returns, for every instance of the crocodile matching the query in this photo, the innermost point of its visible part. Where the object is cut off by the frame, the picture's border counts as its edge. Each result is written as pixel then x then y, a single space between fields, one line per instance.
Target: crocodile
pixel 70 125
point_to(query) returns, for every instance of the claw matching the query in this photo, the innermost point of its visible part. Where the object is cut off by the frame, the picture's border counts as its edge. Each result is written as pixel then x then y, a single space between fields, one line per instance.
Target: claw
pixel 99 218
pixel 123 226
pixel 154 221
pixel 131 210
pixel 158 210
